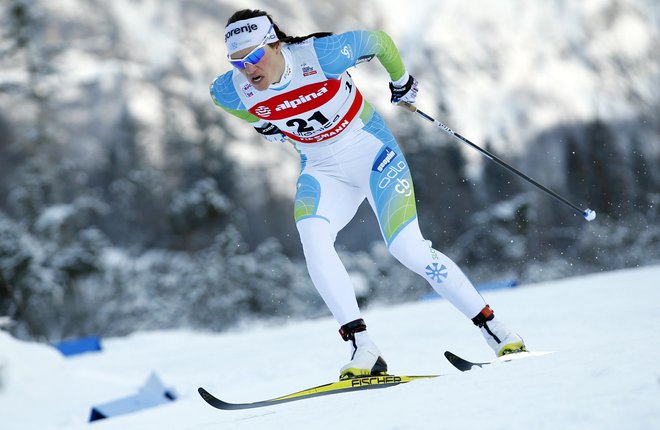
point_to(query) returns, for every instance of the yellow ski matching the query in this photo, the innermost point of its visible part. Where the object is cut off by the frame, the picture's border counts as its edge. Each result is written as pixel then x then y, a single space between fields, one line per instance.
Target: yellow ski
pixel 348 385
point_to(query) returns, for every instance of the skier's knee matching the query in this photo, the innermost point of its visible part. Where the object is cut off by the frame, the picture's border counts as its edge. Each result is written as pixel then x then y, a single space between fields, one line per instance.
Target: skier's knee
pixel 316 236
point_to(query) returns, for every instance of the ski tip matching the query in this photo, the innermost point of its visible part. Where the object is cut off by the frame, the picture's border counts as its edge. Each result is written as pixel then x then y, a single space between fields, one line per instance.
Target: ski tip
pixel 458 362
pixel 453 358
pixel 205 394
pixel 220 404
pixel 462 364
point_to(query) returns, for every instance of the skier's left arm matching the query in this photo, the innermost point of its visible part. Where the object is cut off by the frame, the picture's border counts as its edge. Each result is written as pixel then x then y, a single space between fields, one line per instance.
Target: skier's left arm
pixel 339 52
pixel 225 96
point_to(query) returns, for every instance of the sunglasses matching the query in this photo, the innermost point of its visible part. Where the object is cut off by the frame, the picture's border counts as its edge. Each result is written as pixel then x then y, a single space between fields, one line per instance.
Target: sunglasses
pixel 254 56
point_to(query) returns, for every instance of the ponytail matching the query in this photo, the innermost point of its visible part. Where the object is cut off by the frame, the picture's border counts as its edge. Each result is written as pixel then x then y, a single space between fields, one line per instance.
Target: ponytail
pixel 298 39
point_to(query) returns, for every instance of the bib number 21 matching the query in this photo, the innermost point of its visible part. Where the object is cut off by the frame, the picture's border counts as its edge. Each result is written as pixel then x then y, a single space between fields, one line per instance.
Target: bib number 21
pixel 302 124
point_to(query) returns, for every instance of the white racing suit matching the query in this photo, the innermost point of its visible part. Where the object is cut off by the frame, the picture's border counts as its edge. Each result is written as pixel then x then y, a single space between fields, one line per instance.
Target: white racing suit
pixel 347 154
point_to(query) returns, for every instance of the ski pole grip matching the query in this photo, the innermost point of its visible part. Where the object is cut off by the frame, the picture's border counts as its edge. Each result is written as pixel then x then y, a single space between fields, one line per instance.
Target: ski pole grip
pixel 406 105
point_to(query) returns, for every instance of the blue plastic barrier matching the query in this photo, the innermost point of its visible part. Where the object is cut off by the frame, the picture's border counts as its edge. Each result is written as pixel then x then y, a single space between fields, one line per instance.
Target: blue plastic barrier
pixel 78 346
pixel 153 393
pixel 496 285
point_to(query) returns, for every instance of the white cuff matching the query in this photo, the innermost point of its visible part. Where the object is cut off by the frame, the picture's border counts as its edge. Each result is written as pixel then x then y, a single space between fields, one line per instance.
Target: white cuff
pixel 402 80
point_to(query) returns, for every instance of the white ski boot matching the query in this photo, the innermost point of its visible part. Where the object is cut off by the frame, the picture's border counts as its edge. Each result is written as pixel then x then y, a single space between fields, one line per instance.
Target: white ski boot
pixel 365 355
pixel 499 336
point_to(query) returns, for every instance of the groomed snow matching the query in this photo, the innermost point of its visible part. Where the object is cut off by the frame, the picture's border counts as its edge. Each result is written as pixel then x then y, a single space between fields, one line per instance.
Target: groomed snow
pixel 604 374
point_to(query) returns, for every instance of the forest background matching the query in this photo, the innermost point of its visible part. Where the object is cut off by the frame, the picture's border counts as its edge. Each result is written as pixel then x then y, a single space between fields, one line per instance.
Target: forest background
pixel 128 201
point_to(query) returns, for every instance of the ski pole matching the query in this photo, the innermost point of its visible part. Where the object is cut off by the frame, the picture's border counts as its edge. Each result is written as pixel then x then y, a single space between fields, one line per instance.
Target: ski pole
pixel 587 214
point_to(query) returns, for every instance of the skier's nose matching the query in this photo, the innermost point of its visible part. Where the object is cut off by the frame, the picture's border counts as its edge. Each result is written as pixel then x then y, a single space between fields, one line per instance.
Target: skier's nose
pixel 250 68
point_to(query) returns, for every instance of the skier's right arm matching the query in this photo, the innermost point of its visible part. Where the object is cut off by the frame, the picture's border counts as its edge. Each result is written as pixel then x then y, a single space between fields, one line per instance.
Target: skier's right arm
pixel 224 95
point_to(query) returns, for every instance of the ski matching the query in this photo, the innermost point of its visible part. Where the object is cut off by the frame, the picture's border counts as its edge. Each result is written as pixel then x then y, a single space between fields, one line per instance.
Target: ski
pixel 464 365
pixel 343 386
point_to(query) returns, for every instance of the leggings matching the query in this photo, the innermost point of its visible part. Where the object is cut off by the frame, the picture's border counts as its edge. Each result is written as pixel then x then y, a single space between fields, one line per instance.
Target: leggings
pixel 333 182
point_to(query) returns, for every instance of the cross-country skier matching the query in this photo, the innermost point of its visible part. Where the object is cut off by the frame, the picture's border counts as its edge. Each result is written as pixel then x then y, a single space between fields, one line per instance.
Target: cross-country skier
pixel 298 89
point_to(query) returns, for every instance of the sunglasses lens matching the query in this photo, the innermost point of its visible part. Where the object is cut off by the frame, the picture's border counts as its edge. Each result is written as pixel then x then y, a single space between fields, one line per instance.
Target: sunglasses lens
pixel 255 56
pixel 238 64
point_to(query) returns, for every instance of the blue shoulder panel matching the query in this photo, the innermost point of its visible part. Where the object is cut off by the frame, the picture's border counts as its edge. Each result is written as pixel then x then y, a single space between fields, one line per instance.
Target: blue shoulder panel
pixel 339 52
pixel 224 94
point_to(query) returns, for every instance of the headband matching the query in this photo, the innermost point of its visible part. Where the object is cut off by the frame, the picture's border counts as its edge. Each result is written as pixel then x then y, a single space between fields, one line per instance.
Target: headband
pixel 249 32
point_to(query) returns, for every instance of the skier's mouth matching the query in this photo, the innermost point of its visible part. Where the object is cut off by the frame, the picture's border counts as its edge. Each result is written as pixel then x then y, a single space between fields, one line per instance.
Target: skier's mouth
pixel 257 79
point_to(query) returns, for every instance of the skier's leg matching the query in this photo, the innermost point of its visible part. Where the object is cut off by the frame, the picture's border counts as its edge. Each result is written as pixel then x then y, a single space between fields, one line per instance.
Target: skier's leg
pixel 444 276
pixel 324 206
pixel 392 197
pixel 448 280
pixel 326 269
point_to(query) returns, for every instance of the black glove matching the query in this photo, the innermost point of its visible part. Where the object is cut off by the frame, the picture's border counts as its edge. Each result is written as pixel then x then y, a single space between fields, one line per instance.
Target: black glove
pixel 271 133
pixel 406 93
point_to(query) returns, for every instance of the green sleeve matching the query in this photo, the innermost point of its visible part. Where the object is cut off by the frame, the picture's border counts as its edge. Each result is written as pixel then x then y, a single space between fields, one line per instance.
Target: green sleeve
pixel 242 114
pixel 389 57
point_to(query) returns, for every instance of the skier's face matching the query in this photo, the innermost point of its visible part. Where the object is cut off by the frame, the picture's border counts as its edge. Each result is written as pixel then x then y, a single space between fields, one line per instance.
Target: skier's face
pixel 268 70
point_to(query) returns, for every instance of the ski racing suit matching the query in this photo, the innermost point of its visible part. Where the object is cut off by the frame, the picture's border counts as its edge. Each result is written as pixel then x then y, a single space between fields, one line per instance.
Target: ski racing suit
pixel 347 153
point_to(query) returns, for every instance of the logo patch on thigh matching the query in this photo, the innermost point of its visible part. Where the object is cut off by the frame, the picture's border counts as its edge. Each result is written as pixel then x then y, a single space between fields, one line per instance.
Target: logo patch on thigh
pixel 392 189
pixel 307 199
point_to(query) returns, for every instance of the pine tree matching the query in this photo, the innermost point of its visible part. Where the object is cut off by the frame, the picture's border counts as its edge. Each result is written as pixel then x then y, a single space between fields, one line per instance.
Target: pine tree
pixel 643 176
pixel 496 181
pixel 577 167
pixel 610 178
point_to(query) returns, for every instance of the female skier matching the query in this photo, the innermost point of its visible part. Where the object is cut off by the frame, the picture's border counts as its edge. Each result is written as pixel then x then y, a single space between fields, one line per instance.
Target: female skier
pixel 298 89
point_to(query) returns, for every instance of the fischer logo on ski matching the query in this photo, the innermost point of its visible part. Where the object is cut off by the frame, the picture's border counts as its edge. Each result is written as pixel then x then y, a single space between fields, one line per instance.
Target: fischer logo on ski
pixel 375 380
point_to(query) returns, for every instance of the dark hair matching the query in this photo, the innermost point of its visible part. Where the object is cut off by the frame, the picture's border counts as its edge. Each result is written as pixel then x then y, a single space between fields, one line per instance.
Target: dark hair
pixel 252 13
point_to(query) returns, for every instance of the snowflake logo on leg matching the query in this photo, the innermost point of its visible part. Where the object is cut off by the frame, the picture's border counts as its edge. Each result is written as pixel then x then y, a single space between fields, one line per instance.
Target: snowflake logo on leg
pixel 436 273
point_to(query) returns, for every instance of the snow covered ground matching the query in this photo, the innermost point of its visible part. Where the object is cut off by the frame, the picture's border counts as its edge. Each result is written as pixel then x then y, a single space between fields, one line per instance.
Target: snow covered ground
pixel 604 374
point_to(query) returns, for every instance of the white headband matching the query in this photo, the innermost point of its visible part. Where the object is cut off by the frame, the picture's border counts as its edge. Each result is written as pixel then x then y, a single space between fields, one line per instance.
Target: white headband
pixel 249 32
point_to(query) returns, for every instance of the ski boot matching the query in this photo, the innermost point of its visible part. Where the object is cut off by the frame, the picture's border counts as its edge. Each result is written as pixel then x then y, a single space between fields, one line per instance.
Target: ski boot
pixel 498 336
pixel 365 355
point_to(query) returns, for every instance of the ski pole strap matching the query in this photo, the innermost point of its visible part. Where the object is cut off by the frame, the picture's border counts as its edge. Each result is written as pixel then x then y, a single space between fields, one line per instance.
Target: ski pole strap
pixel 486 314
pixel 348 330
